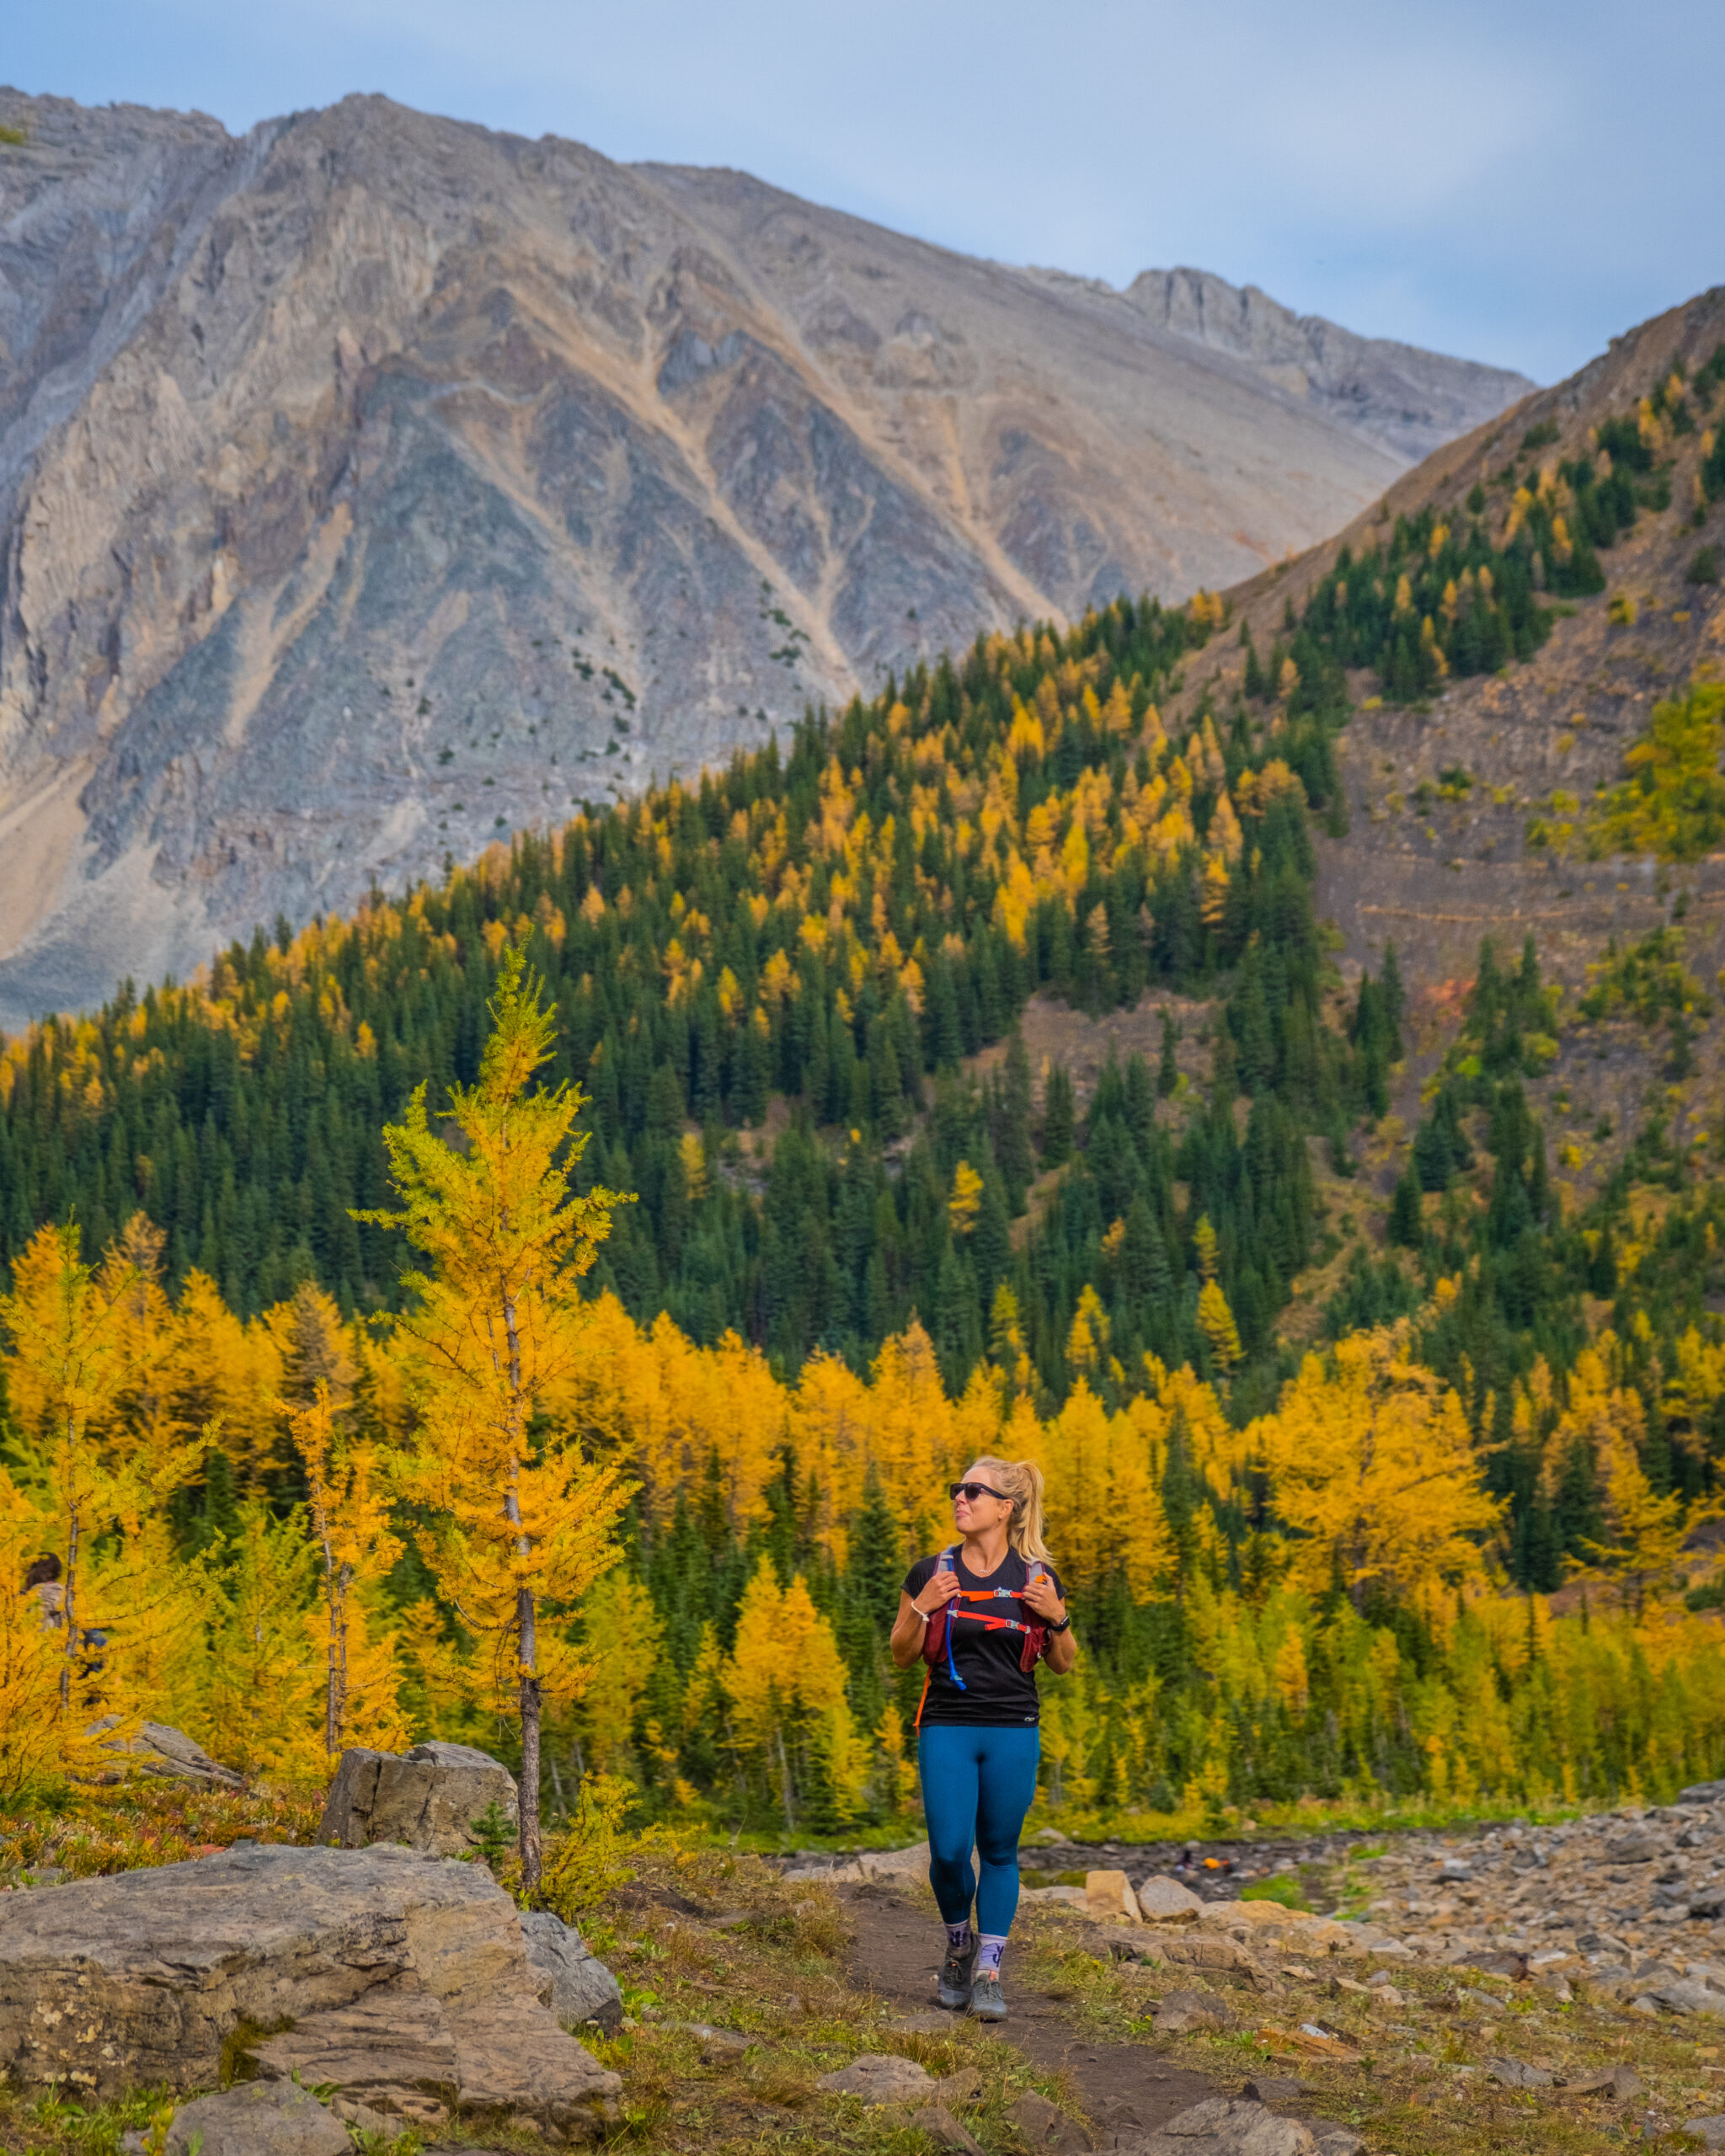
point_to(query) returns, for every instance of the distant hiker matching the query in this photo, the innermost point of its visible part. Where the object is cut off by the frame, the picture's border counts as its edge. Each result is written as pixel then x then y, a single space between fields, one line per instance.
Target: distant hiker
pixel 981 1614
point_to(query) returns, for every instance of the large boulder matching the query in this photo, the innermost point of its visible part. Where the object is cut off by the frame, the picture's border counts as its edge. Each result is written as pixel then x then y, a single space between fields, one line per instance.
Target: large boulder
pixel 398 1980
pixel 574 1982
pixel 426 1799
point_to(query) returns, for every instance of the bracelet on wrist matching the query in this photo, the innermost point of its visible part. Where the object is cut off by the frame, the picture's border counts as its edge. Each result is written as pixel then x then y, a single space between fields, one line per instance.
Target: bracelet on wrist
pixel 1064 1624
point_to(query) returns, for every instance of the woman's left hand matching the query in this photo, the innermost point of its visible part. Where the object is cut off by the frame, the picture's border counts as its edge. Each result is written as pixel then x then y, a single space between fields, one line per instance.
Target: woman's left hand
pixel 1041 1596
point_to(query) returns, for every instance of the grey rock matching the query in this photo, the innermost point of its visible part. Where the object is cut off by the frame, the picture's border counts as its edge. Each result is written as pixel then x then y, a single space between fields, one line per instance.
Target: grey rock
pixel 1166 1900
pixel 1512 2074
pixel 574 1983
pixel 387 1965
pixel 1227 2125
pixel 425 1799
pixel 1042 2125
pixel 944 2130
pixel 1702 1793
pixel 1682 1996
pixel 1187 2013
pixel 394 2054
pixel 1710 2132
pixel 258 2118
pixel 1275 2088
pixel 1338 2140
pixel 1636 1847
pixel 170 1752
pixel 1619 2081
pixel 879 2077
pixel 710 385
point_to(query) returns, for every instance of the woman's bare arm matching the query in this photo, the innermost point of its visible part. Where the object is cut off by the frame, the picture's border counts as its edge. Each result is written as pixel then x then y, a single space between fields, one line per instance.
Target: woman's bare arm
pixel 906 1642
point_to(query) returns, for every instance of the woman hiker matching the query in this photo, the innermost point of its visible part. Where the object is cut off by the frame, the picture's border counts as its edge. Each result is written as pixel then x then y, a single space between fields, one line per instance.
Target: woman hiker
pixel 981 1614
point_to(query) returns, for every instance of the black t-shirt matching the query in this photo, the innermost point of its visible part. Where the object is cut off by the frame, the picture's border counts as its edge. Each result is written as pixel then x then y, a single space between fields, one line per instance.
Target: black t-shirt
pixel 996 1692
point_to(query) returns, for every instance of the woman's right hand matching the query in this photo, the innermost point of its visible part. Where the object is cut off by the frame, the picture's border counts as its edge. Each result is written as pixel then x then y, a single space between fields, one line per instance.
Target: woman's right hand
pixel 943 1587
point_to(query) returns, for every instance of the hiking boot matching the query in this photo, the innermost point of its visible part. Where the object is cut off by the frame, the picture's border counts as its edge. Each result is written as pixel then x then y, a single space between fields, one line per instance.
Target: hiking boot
pixel 987 2001
pixel 955 1972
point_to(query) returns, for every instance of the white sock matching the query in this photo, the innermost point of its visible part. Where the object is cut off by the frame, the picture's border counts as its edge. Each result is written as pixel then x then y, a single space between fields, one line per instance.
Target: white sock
pixel 989 1951
pixel 958 1937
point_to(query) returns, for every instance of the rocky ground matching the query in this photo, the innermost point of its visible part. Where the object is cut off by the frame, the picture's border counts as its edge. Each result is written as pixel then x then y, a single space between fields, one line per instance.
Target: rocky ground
pixel 1544 1988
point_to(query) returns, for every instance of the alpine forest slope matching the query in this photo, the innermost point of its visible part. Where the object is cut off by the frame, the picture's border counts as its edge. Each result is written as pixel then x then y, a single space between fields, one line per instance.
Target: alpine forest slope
pixel 1382 1442
pixel 375 484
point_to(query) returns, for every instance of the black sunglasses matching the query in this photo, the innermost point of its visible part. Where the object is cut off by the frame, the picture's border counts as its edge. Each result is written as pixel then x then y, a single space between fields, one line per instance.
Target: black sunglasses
pixel 974 1491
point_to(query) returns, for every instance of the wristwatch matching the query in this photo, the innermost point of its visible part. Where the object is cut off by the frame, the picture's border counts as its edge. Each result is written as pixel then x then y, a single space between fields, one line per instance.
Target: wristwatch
pixel 1064 1624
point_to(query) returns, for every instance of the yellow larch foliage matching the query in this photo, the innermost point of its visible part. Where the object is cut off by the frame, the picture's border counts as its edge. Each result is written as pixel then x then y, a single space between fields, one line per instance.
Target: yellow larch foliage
pixel 494 1341
pixel 623 1637
pixel 785 1683
pixel 1215 1321
pixel 965 1198
pixel 1373 1466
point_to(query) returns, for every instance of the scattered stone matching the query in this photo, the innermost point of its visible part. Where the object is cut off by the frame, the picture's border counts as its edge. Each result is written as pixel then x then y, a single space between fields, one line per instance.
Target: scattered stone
pixel 1166 1900
pixel 879 2077
pixel 427 1798
pixel 574 1982
pixel 258 2118
pixel 1702 1793
pixel 406 1982
pixel 1512 2074
pixel 1056 1840
pixel 1230 2125
pixel 1187 2013
pixel 1636 1847
pixel 944 2130
pixel 1684 1996
pixel 1621 2082
pixel 1338 2140
pixel 1108 1897
pixel 1709 2131
pixel 1044 2125
pixel 1275 2088
pixel 157 1750
pixel 713 2042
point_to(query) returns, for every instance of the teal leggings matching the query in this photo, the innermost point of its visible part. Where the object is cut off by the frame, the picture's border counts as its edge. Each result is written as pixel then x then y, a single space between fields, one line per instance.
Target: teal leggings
pixel 977 1784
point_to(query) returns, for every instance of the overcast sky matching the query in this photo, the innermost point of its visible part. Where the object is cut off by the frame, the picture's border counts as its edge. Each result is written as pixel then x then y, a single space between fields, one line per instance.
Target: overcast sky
pixel 1514 182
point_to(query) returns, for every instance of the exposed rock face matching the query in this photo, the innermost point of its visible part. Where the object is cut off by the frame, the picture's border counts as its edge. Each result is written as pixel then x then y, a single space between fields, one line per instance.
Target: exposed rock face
pixel 574 1982
pixel 426 1799
pixel 1406 400
pixel 406 1982
pixel 376 484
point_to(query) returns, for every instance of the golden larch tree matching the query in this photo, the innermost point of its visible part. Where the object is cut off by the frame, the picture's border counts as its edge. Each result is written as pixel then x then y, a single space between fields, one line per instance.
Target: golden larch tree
pixel 349 1508
pixel 515 1517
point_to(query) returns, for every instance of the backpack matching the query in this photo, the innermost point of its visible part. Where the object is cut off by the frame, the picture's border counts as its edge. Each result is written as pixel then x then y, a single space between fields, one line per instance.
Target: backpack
pixel 938 1637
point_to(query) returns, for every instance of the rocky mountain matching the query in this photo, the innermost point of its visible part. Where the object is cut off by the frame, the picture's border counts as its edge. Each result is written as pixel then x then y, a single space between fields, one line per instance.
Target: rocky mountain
pixel 1445 791
pixel 374 484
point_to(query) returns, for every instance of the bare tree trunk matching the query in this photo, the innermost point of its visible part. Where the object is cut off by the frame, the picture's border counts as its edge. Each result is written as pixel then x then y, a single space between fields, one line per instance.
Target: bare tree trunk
pixel 68 1613
pixel 784 1767
pixel 532 1852
pixel 335 1699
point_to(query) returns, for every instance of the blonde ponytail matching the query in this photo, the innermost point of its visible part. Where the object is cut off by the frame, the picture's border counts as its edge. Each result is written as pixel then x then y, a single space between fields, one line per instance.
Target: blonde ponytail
pixel 1020 1480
